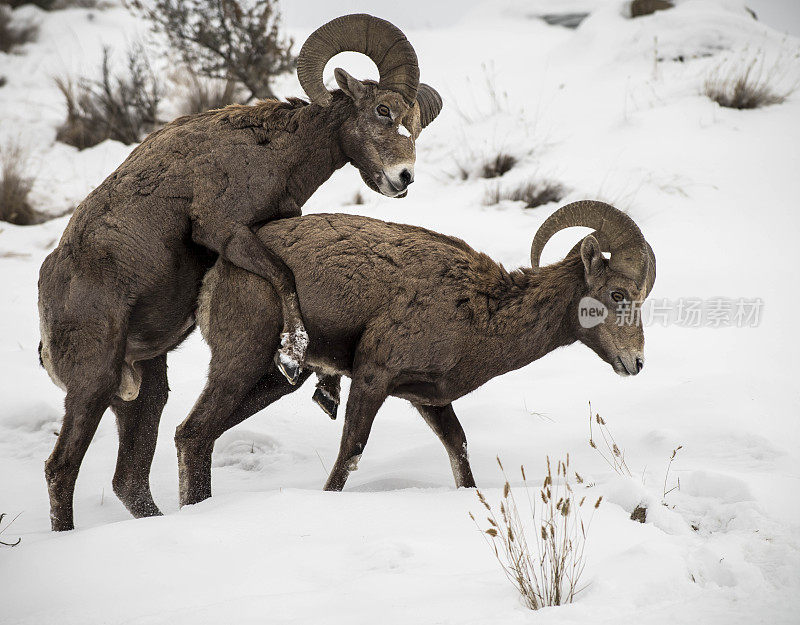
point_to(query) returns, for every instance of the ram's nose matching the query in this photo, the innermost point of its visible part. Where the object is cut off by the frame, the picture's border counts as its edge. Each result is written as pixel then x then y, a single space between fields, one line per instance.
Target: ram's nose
pixel 399 177
pixel 629 364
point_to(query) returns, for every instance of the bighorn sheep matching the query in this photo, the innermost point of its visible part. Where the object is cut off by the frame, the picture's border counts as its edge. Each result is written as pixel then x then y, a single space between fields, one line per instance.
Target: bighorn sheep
pixel 411 313
pixel 120 290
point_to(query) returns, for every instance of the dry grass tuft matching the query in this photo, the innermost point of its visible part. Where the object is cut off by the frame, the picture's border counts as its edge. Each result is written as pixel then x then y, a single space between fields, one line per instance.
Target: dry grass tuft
pixel 15 187
pixel 546 563
pixel 123 108
pixel 666 475
pixel 533 193
pixel 14 35
pixel 358 198
pixel 748 83
pixel 613 455
pixel 19 540
pixel 204 94
pixel 498 165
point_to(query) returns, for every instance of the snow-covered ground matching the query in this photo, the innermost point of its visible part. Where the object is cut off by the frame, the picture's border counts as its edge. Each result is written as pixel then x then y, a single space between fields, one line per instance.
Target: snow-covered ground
pixel 715 191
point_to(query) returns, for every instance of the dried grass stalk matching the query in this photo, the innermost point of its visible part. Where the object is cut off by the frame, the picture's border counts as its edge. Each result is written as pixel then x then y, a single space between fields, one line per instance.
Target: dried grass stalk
pixel 544 563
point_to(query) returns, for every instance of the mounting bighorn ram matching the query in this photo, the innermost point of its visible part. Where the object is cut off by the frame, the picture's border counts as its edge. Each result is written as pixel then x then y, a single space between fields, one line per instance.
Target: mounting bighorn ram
pixel 120 290
pixel 411 313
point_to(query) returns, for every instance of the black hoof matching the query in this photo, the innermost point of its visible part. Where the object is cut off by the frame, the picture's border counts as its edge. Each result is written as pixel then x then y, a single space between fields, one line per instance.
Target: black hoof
pixel 328 405
pixel 289 368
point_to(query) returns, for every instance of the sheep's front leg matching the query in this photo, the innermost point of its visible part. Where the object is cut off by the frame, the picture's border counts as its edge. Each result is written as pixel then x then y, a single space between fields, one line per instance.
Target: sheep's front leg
pixel 363 402
pixel 237 244
pixel 444 423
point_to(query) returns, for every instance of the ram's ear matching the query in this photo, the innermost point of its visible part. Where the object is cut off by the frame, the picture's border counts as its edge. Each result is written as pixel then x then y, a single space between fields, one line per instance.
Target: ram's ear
pixel 351 86
pixel 594 264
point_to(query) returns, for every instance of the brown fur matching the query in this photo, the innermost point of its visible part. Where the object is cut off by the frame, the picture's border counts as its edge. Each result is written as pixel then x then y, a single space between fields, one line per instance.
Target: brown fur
pixel 401 310
pixel 120 289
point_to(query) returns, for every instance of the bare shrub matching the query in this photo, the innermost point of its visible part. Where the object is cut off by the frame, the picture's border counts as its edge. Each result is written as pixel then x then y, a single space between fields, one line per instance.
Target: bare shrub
pixel 461 172
pixel 498 165
pixel 358 198
pixel 640 8
pixel 548 572
pixel 204 94
pixel 226 39
pixel 13 35
pixel 57 5
pixel 122 108
pixel 15 187
pixel 567 20
pixel 42 4
pixel 79 4
pixel 747 83
pixel 534 193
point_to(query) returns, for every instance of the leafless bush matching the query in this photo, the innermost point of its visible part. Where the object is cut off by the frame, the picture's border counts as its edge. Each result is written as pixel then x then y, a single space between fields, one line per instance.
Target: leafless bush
pixel 204 94
pixel 498 165
pixel 42 4
pixel 57 5
pixel 534 193
pixel 358 198
pixel 78 4
pixel 747 83
pixel 15 187
pixel 123 107
pixel 486 99
pixel 547 573
pixel 13 34
pixel 640 8
pixel 224 39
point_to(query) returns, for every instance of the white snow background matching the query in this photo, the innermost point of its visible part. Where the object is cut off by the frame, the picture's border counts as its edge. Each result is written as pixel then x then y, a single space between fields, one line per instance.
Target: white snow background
pixel 716 193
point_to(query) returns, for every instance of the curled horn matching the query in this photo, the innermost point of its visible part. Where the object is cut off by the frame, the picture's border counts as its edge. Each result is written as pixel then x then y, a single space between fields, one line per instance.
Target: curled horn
pixel 380 40
pixel 616 232
pixel 430 104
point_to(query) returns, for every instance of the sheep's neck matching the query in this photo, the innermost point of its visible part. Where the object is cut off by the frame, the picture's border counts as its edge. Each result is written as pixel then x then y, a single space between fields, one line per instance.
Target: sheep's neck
pixel 318 151
pixel 536 312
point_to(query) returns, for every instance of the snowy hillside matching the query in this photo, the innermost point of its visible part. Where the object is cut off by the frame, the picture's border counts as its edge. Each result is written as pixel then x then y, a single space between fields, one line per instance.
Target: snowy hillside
pixel 612 110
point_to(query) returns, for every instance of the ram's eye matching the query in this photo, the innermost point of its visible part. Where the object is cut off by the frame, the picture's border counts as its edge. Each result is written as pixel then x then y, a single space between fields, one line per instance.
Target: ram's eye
pixel 617 296
pixel 383 110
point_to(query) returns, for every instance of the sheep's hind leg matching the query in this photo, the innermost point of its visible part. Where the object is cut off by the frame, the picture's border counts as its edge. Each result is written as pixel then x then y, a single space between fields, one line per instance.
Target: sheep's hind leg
pixel 211 417
pixel 444 423
pixel 326 396
pixel 137 423
pixel 87 362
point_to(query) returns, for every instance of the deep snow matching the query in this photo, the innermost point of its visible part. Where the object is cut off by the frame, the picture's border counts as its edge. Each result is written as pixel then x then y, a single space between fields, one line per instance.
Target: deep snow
pixel 713 189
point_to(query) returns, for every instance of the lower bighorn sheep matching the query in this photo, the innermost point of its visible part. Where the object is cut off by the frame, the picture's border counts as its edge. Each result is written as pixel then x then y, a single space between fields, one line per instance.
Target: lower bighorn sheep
pixel 120 290
pixel 412 313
